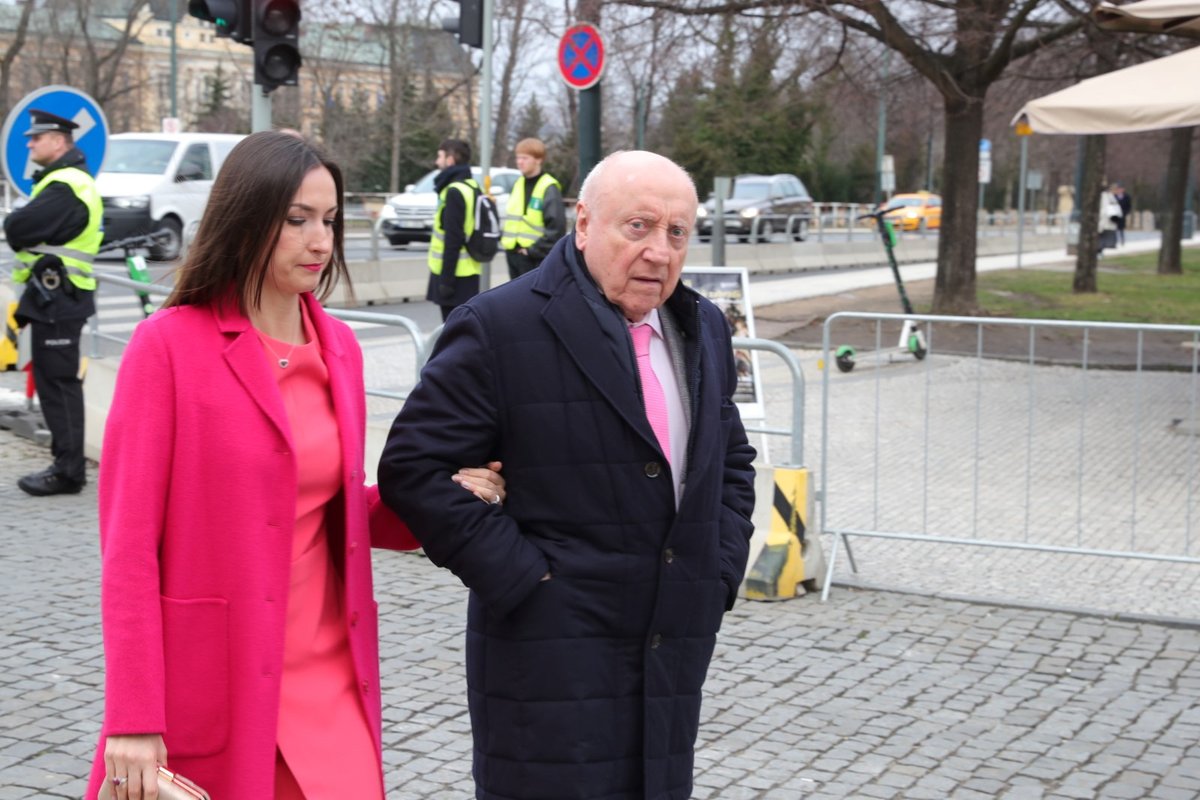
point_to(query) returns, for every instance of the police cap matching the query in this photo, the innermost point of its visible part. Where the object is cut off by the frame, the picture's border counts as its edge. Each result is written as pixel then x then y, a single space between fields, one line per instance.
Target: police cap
pixel 45 122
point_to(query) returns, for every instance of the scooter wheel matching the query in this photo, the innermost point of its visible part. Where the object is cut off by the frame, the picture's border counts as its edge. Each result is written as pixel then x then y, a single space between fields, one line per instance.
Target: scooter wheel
pixel 914 347
pixel 844 357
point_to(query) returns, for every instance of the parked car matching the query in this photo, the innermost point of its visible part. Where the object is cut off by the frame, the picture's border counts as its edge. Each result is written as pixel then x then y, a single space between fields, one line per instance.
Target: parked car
pixel 915 211
pixel 774 199
pixel 408 217
pixel 159 182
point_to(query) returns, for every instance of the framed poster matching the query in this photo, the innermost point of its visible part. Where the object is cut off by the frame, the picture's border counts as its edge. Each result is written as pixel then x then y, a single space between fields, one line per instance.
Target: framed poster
pixel 729 290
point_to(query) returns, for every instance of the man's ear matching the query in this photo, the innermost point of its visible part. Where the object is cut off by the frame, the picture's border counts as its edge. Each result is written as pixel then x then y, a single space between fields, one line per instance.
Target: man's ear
pixel 583 221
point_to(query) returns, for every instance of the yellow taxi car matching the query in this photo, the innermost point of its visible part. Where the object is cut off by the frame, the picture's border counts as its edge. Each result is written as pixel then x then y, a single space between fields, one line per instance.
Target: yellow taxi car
pixel 915 211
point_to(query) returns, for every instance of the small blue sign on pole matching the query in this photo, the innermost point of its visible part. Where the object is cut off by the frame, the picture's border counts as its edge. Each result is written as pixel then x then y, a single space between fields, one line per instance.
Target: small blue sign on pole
pixel 91 137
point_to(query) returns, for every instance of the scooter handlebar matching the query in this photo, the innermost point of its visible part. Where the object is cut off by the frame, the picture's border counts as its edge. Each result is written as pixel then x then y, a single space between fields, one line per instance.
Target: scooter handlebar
pixel 879 213
pixel 141 240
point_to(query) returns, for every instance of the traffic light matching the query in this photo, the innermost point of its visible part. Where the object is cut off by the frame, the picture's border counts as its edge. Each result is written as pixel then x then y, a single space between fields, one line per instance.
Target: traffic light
pixel 231 17
pixel 276 43
pixel 469 23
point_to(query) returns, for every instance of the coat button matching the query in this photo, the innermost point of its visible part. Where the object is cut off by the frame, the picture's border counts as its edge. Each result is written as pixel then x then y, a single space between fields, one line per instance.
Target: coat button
pixel 353 474
pixel 353 619
pixel 655 641
pixel 353 547
pixel 668 555
pixel 652 469
pixel 366 687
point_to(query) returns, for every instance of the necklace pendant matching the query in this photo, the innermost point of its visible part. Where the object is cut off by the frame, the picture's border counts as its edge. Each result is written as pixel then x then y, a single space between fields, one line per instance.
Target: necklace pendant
pixel 283 362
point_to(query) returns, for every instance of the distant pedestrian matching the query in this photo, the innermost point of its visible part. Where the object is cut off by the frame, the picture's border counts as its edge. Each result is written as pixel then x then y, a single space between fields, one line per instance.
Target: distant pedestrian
pixel 55 237
pixel 1126 204
pixel 535 218
pixel 1110 218
pixel 454 275
pixel 240 635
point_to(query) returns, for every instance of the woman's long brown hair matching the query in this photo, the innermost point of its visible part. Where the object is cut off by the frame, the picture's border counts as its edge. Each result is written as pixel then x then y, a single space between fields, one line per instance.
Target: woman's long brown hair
pixel 229 259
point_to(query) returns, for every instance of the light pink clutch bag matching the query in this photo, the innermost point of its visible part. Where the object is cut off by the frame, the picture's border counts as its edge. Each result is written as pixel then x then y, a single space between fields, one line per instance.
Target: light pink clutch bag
pixel 171 786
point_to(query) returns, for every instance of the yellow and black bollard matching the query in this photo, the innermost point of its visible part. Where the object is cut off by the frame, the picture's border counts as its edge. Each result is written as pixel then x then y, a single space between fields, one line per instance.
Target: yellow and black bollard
pixel 788 558
pixel 8 345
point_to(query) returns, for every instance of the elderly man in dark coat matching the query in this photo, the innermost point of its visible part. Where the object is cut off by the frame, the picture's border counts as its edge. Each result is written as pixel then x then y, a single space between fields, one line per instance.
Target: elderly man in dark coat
pixel 598 588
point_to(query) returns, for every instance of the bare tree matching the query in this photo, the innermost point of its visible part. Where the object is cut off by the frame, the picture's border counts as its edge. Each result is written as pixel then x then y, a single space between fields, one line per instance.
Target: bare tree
pixel 90 49
pixel 10 55
pixel 962 48
pixel 513 16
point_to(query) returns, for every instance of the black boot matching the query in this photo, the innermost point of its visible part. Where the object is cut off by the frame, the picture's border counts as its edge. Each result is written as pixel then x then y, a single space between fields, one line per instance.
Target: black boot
pixel 48 482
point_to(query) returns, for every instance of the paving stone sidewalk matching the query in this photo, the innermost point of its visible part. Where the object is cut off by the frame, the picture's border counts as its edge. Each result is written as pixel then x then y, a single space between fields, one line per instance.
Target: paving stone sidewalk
pixel 873 695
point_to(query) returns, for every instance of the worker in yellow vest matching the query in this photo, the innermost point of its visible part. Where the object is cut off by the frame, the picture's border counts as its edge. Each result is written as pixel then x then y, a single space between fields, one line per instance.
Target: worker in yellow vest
pixel 55 238
pixel 453 274
pixel 535 218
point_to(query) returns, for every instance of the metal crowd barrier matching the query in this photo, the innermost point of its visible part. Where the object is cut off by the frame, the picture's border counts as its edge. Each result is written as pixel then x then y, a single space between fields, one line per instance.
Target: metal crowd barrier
pixel 796 432
pixel 423 345
pixel 1088 456
pixel 421 342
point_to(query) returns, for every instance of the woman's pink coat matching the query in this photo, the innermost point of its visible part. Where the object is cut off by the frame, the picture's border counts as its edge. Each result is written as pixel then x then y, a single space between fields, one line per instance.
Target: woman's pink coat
pixel 197 505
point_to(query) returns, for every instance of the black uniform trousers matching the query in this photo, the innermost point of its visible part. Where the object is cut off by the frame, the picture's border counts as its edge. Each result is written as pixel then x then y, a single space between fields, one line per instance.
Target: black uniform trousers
pixel 519 264
pixel 55 354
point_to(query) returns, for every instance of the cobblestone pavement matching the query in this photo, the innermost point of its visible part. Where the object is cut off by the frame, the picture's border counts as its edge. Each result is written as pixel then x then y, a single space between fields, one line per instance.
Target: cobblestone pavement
pixel 876 694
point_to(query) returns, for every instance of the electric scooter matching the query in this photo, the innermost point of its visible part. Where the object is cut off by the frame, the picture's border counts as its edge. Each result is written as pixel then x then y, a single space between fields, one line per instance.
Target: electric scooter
pixel 912 340
pixel 135 262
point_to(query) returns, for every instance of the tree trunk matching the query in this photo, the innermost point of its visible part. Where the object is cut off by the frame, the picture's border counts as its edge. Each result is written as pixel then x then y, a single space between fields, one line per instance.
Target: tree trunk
pixel 1091 185
pixel 954 289
pixel 1179 166
pixel 10 55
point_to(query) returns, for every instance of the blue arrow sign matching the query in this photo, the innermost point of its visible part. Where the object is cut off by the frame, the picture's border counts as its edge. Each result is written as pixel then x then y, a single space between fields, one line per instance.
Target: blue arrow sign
pixel 91 137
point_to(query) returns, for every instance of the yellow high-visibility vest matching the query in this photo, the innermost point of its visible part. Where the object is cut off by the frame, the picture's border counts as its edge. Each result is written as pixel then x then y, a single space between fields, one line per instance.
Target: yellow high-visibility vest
pixel 525 225
pixel 466 266
pixel 78 254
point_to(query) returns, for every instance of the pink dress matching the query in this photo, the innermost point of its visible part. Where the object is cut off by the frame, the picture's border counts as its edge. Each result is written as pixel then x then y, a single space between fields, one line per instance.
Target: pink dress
pixel 325 746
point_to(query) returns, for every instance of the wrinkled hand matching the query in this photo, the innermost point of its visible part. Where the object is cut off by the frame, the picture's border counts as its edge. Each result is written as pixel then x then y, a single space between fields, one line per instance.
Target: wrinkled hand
pixel 484 482
pixel 134 760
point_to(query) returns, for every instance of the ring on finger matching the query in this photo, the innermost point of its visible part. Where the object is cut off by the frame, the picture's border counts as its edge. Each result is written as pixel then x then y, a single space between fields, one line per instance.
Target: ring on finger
pixel 119 781
pixel 496 500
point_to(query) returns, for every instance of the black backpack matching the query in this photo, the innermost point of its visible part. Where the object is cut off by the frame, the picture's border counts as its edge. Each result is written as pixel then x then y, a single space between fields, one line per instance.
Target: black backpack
pixel 484 241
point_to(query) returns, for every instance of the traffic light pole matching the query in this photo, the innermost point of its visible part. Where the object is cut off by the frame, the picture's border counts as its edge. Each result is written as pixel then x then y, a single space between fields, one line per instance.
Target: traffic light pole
pixel 260 109
pixel 485 119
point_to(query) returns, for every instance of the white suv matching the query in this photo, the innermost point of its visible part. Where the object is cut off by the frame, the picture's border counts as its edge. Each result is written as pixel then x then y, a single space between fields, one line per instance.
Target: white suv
pixel 408 217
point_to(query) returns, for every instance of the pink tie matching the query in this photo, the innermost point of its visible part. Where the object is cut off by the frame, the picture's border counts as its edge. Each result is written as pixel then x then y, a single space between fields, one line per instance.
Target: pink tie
pixel 652 392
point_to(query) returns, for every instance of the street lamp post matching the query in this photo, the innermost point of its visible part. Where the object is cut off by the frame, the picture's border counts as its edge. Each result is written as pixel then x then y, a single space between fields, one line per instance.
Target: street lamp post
pixel 174 62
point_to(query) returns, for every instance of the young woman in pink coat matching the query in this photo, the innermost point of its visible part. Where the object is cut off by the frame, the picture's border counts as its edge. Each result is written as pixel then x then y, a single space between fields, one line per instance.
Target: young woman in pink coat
pixel 235 530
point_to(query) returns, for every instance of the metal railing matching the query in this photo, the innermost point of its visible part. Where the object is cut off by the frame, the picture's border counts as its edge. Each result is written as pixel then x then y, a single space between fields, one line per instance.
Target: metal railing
pixel 1075 457
pixel 422 343
pixel 796 431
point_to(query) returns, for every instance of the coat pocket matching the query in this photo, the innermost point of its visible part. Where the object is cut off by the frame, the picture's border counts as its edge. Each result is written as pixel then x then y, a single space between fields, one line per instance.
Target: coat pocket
pixel 196 657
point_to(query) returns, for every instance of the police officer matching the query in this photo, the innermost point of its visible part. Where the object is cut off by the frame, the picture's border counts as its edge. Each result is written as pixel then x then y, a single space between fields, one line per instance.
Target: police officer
pixel 55 237
pixel 535 217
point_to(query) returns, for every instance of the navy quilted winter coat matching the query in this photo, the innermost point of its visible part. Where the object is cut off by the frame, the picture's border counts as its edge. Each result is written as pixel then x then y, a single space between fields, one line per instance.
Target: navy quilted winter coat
pixel 586 685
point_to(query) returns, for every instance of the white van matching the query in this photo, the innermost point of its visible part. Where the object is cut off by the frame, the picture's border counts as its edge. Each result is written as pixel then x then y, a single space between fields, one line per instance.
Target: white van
pixel 160 182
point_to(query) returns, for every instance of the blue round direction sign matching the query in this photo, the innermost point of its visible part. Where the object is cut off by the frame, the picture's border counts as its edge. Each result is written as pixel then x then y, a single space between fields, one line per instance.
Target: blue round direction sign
pixel 581 56
pixel 91 136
